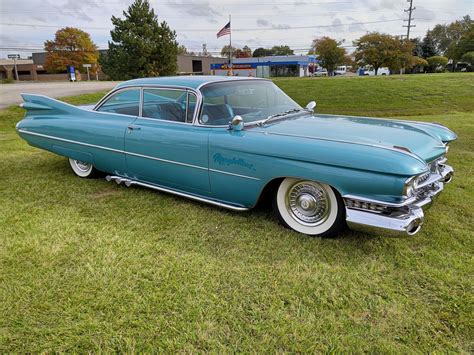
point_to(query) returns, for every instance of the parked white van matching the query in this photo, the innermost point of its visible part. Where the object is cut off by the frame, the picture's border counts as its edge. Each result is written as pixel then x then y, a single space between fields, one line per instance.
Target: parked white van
pixel 371 71
pixel 342 69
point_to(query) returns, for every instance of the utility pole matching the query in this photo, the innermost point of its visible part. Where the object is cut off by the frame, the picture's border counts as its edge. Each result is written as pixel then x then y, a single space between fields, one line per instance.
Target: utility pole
pixel 410 11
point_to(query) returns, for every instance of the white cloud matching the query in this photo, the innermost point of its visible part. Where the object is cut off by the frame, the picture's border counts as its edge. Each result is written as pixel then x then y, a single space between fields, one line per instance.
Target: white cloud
pixel 270 22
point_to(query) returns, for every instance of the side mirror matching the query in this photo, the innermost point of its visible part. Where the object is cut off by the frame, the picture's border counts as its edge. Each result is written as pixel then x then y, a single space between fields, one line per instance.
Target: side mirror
pixel 237 123
pixel 311 106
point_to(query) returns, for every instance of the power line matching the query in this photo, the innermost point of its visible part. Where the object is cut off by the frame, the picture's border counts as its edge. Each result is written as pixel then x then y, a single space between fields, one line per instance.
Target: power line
pixel 164 16
pixel 214 30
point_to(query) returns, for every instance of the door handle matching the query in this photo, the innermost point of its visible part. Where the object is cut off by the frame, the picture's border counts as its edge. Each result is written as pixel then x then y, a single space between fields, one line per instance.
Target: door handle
pixel 133 128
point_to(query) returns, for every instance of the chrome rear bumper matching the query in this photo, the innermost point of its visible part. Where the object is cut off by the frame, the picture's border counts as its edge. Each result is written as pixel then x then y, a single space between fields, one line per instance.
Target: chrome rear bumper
pixel 395 219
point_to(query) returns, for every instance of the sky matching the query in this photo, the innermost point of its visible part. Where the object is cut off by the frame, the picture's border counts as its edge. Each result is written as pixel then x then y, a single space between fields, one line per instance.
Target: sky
pixel 26 24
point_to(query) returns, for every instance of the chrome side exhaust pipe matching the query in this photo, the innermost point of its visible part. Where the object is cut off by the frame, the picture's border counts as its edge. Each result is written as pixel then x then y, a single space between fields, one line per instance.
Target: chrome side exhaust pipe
pixel 119 180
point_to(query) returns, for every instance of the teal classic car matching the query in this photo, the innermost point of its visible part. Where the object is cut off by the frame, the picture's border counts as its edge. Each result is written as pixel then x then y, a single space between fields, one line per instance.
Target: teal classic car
pixel 229 141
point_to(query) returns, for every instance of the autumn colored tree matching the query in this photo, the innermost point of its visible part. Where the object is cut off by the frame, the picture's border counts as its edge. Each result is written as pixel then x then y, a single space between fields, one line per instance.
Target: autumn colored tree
pixel 140 46
pixel 245 52
pixel 330 53
pixel 71 46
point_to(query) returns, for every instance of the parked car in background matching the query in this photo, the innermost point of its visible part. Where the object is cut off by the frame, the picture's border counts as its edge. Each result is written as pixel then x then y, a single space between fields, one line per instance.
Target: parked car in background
pixel 229 141
pixel 320 72
pixel 371 71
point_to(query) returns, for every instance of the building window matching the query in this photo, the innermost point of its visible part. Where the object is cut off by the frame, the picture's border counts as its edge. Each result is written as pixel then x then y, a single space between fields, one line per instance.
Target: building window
pixel 197 66
pixel 284 70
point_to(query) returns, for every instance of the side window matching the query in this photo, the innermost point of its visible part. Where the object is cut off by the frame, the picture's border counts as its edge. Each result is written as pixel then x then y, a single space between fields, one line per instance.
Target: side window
pixel 169 105
pixel 165 104
pixel 125 102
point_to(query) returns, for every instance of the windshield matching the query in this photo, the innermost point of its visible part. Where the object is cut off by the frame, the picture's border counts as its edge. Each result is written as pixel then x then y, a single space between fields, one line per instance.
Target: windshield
pixel 253 100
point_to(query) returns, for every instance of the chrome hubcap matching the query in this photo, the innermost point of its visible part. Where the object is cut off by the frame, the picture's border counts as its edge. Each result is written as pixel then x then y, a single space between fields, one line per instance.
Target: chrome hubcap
pixel 308 203
pixel 82 166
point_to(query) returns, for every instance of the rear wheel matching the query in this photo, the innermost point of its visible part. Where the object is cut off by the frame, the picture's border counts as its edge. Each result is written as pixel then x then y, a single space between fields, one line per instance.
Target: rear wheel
pixel 309 207
pixel 83 169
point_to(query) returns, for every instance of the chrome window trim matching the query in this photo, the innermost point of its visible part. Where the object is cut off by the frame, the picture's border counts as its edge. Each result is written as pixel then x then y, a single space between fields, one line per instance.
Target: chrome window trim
pixel 185 90
pixel 201 86
pixel 230 79
pixel 113 92
pixel 134 154
pixel 143 86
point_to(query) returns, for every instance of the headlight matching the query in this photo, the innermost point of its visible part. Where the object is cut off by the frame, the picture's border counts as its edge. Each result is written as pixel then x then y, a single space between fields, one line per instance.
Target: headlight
pixel 410 186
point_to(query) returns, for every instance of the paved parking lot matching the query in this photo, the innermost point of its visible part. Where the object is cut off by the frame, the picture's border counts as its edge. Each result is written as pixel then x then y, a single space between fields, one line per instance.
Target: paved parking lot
pixel 10 93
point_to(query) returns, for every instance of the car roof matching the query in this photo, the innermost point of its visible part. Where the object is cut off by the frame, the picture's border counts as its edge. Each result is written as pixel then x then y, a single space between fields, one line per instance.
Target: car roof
pixel 188 81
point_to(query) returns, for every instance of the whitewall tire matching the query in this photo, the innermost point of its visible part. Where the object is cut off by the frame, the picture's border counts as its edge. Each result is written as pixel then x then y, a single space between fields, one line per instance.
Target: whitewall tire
pixel 309 207
pixel 82 169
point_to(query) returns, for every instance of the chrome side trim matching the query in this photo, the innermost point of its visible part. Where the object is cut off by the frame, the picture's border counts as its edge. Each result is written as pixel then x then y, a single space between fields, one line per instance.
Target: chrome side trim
pixel 165 160
pixel 70 141
pixel 233 174
pixel 129 182
pixel 134 154
pixel 344 141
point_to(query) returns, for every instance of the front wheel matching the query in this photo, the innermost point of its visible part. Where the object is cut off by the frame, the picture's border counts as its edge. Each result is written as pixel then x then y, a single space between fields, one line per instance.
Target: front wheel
pixel 83 169
pixel 309 207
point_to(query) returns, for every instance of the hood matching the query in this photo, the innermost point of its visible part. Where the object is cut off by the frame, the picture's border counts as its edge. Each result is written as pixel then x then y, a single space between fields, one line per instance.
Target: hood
pixel 423 140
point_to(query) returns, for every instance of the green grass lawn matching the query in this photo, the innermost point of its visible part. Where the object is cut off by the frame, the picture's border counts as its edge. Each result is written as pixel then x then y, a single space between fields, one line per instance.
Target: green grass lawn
pixel 86 265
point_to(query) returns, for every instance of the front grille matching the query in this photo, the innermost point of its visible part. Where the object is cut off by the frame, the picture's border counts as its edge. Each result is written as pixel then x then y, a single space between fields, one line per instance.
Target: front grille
pixel 422 178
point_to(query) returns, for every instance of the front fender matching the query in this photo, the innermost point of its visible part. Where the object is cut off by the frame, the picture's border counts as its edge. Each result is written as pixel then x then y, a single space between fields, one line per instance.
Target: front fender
pixel 258 159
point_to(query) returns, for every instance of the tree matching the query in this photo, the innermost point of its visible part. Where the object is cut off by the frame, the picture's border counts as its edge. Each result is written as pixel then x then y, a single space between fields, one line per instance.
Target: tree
pixel 437 63
pixel 466 43
pixel 247 52
pixel 282 50
pixel 141 46
pixel 379 50
pixel 428 46
pixel 329 53
pixel 71 46
pixel 182 50
pixel 261 52
pixel 417 47
pixel 225 51
pixel 447 36
pixel 468 57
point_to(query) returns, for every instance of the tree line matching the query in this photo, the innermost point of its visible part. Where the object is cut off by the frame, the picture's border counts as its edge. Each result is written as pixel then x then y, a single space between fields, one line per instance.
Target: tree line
pixel 141 46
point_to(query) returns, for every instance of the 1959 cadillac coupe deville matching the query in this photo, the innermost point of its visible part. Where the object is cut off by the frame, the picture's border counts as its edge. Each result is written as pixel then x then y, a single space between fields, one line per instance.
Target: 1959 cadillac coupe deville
pixel 227 141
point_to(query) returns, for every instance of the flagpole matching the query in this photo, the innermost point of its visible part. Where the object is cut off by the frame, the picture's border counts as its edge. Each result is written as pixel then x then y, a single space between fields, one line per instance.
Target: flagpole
pixel 230 47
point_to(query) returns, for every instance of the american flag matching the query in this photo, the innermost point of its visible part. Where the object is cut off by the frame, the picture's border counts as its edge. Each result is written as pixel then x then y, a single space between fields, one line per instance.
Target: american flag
pixel 224 31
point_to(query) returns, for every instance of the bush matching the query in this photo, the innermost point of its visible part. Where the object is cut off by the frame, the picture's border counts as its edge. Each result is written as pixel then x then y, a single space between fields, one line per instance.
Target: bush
pixel 437 63
pixel 7 81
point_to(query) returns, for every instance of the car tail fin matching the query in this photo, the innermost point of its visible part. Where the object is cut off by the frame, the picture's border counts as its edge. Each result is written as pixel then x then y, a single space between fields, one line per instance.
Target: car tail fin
pixel 41 105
